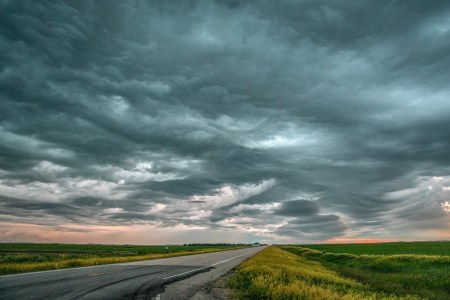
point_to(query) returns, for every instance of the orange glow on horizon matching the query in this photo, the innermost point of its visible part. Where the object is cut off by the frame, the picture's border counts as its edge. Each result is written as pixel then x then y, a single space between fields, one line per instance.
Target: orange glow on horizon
pixel 136 234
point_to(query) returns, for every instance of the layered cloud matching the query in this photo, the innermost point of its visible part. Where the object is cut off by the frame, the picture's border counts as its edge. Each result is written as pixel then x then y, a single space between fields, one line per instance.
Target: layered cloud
pixel 281 122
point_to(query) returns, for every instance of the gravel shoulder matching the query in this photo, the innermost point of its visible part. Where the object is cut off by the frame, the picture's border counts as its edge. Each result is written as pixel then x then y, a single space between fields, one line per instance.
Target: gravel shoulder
pixel 217 290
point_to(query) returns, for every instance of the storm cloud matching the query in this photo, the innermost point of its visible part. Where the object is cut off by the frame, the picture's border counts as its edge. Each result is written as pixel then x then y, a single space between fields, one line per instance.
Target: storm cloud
pixel 287 121
pixel 298 208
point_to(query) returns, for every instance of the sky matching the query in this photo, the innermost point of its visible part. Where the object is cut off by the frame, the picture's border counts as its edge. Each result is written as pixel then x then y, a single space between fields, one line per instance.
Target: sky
pixel 153 122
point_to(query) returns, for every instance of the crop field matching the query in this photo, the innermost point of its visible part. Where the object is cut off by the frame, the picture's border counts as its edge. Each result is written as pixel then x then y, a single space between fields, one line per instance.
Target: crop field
pixel 297 272
pixel 18 258
pixel 426 248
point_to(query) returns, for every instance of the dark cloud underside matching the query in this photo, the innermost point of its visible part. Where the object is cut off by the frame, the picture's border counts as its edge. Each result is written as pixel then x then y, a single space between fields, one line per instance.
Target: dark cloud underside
pixel 303 119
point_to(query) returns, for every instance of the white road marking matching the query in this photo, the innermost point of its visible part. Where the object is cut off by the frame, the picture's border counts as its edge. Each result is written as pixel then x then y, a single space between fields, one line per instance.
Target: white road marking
pixel 215 264
pixel 157 297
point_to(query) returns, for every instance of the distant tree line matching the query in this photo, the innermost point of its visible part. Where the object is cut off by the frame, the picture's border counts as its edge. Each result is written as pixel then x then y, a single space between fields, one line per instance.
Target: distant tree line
pixel 216 244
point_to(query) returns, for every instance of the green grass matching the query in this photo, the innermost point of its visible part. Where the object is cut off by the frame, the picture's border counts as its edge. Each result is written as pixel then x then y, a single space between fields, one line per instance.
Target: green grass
pixel 19 258
pixel 275 273
pixel 426 276
pixel 297 272
pixel 426 248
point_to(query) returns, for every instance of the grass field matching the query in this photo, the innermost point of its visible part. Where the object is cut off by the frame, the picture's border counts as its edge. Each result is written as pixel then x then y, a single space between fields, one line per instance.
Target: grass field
pixel 295 272
pixel 426 248
pixel 19 258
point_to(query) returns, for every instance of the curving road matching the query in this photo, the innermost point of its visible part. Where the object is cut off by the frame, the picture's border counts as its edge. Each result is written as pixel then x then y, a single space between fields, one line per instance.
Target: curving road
pixel 136 280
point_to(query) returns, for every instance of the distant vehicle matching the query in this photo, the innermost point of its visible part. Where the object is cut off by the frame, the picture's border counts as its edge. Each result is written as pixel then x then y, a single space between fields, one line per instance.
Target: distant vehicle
pixel 256 244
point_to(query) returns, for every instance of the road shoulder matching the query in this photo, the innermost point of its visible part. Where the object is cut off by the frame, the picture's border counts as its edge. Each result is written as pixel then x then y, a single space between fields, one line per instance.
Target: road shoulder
pixel 216 290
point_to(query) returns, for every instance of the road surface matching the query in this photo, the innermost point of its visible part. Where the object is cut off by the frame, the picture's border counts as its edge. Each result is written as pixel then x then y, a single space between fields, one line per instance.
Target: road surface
pixel 136 280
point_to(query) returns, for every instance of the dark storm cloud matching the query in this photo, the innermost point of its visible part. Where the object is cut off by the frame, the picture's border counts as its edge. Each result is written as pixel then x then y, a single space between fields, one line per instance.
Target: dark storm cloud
pixel 295 208
pixel 224 114
pixel 20 208
pixel 317 227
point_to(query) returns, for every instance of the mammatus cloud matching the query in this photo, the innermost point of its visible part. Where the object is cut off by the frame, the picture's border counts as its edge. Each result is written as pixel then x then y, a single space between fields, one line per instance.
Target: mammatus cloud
pixel 224 121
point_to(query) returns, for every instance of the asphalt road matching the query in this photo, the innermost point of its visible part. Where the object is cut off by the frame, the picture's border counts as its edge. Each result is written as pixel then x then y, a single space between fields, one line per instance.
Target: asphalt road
pixel 136 280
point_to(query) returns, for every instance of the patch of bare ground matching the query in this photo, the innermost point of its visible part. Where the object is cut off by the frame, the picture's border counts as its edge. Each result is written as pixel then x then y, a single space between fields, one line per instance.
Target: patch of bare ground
pixel 216 290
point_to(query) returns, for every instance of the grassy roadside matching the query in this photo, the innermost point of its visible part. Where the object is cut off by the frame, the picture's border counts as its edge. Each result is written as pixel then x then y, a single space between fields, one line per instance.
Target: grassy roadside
pixel 300 273
pixel 401 274
pixel 52 257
